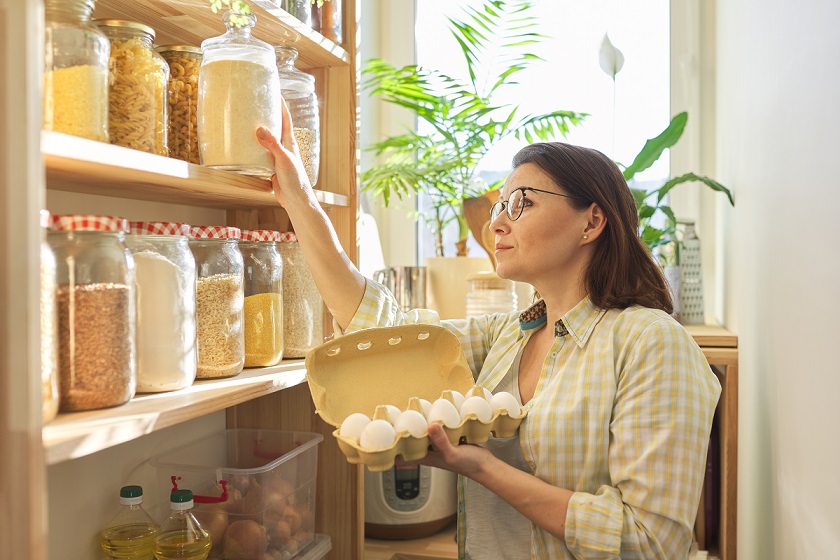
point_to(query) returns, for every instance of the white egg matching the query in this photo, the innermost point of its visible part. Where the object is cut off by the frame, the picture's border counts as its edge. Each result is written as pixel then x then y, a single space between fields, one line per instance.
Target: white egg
pixel 393 412
pixel 478 407
pixel 505 402
pixel 379 434
pixel 444 412
pixel 426 406
pixel 353 425
pixel 412 422
pixel 457 399
pixel 478 391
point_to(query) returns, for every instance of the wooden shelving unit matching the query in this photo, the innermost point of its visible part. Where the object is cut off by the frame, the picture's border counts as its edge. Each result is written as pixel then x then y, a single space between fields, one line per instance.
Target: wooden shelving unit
pixel 33 162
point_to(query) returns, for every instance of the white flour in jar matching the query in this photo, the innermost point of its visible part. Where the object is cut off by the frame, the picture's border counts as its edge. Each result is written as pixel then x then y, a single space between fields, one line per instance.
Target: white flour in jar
pixel 166 333
pixel 235 98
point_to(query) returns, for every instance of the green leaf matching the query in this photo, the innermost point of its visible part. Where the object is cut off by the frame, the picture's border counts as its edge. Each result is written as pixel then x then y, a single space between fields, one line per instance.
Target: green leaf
pixel 654 147
pixel 711 183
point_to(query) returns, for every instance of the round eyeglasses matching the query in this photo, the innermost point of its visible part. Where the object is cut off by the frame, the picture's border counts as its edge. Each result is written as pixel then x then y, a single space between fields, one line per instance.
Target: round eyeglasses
pixel 516 202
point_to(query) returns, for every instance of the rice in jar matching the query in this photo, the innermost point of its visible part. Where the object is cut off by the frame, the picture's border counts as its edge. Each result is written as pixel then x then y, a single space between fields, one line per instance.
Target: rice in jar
pixel 303 308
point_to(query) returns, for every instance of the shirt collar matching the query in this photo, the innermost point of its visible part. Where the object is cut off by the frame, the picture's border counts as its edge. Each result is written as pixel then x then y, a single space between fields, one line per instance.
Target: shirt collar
pixel 578 323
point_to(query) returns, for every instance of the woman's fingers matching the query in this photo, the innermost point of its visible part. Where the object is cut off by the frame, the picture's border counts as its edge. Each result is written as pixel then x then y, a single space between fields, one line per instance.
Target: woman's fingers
pixel 288 139
pixel 269 141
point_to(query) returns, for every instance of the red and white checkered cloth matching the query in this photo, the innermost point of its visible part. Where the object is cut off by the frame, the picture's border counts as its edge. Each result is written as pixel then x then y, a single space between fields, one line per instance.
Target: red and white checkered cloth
pixel 160 228
pixel 260 235
pixel 86 222
pixel 215 232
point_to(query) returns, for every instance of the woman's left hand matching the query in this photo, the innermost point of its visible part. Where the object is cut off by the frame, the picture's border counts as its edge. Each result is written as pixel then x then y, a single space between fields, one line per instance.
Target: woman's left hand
pixel 466 460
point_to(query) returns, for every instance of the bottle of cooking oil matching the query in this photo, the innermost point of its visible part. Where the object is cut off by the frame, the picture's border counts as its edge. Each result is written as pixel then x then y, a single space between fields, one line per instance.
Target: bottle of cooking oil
pixel 130 533
pixel 181 536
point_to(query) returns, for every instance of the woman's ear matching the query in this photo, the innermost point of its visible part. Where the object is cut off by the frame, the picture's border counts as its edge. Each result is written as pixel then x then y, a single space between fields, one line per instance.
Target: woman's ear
pixel 596 221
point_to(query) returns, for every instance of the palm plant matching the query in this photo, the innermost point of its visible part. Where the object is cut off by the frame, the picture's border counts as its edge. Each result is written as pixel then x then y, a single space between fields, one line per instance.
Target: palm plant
pixel 494 38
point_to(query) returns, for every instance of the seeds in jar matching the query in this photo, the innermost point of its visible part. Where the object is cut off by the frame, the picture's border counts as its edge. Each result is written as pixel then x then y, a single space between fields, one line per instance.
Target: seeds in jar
pixel 263 329
pixel 76 101
pixel 235 99
pixel 219 310
pixel 95 346
pixel 308 143
pixel 303 314
pixel 183 101
pixel 137 98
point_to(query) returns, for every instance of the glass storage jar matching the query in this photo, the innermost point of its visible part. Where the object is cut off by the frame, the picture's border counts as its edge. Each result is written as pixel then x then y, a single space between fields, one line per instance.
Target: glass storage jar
pixel 164 278
pixel 238 91
pixel 301 9
pixel 487 294
pixel 303 308
pixel 329 24
pixel 49 328
pixel 95 303
pixel 75 71
pixel 263 298
pixel 219 301
pixel 299 92
pixel 138 78
pixel 182 96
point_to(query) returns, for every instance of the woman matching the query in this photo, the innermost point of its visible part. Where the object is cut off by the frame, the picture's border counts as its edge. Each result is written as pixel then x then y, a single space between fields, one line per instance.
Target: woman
pixel 610 459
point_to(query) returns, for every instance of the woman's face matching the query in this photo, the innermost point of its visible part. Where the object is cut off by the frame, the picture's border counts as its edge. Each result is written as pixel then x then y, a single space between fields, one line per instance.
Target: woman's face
pixel 545 243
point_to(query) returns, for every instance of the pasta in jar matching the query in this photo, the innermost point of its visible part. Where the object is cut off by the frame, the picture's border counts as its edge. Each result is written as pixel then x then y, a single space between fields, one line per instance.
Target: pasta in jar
pixel 184 63
pixel 138 79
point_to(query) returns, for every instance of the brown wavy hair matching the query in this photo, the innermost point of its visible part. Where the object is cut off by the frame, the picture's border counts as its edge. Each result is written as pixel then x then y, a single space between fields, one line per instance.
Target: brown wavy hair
pixel 622 271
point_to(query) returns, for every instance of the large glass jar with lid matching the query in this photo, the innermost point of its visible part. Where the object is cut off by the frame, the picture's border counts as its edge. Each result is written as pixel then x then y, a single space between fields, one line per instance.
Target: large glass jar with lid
pixel 303 308
pixel 138 79
pixel 299 92
pixel 49 328
pixel 96 316
pixel 75 71
pixel 263 297
pixel 238 91
pixel 184 64
pixel 219 301
pixel 164 272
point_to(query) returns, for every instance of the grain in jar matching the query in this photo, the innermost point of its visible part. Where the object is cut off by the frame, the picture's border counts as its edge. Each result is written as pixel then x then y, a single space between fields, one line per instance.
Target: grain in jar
pixel 95 308
pixel 182 97
pixel 138 79
pixel 238 92
pixel 263 297
pixel 165 301
pixel 75 71
pixel 303 308
pixel 220 297
pixel 299 92
pixel 49 328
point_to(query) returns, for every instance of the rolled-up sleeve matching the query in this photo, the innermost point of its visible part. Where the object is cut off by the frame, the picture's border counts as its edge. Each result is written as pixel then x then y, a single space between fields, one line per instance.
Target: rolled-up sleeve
pixel 659 433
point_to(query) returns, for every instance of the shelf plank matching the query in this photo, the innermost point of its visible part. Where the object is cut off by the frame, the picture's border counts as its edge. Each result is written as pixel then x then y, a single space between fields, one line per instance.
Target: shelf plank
pixel 77 434
pixel 86 166
pixel 712 336
pixel 188 22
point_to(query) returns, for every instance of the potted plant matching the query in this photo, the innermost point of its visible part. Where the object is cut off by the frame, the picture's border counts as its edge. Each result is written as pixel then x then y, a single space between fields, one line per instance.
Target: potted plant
pixel 463 121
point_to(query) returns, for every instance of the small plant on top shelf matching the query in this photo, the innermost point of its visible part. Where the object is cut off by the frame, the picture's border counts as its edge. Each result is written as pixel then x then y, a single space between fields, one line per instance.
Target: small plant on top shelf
pixel 239 8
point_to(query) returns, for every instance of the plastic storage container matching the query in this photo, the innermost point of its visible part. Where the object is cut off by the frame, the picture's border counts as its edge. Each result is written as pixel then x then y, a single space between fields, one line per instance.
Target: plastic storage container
pixel 181 536
pixel 137 113
pixel 238 91
pixel 487 293
pixel 165 290
pixel 182 96
pixel 129 535
pixel 95 303
pixel 303 308
pixel 75 71
pixel 271 478
pixel 219 301
pixel 299 92
pixel 49 329
pixel 263 298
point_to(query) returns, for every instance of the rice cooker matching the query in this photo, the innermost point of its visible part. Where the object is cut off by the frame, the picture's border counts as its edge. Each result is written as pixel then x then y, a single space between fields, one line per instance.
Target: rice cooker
pixel 409 502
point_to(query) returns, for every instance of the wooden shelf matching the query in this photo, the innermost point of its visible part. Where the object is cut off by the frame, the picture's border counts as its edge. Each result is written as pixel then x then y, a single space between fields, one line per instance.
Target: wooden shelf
pixel 76 434
pixel 189 22
pixel 712 336
pixel 86 166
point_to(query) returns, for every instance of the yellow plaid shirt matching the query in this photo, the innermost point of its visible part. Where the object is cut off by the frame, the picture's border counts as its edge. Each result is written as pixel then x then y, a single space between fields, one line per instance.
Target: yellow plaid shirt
pixel 621 416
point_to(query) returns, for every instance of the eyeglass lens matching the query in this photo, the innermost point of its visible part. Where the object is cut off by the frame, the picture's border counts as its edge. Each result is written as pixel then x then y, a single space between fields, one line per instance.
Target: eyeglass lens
pixel 513 204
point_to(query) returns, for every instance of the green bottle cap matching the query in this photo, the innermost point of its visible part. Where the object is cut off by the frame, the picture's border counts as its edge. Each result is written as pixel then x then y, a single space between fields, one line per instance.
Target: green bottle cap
pixel 131 492
pixel 181 496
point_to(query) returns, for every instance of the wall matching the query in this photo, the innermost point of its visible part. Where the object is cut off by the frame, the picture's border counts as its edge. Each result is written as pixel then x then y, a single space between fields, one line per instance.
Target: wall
pixel 776 125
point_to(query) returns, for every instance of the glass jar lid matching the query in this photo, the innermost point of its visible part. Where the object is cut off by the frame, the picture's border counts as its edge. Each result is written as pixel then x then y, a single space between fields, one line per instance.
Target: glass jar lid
pixel 87 222
pixel 159 228
pixel 178 48
pixel 291 77
pixel 255 235
pixel 236 42
pixel 125 24
pixel 287 237
pixel 215 232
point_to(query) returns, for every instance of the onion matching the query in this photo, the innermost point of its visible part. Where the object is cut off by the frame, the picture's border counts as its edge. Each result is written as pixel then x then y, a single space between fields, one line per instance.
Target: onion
pixel 279 533
pixel 214 519
pixel 252 505
pixel 245 540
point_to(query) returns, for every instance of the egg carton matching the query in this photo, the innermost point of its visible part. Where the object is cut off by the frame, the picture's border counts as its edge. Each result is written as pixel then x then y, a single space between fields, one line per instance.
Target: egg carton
pixel 379 372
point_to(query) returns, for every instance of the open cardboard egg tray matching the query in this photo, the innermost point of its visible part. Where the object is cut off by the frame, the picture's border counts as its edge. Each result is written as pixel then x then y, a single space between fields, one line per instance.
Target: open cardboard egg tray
pixel 362 371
